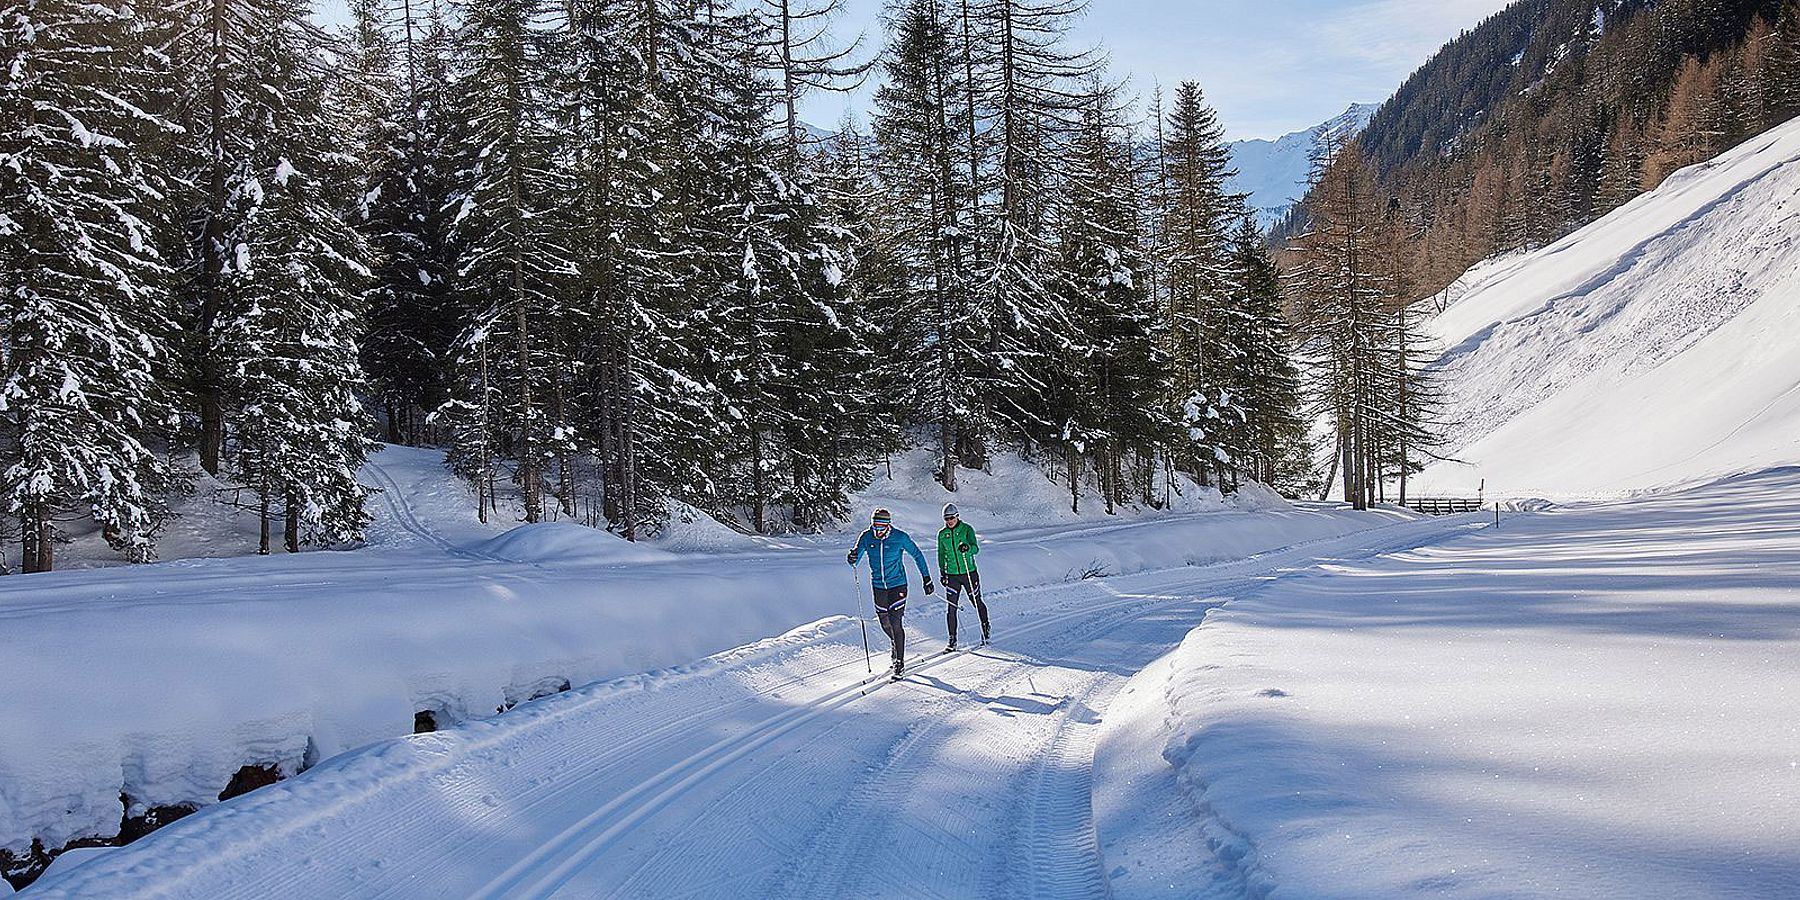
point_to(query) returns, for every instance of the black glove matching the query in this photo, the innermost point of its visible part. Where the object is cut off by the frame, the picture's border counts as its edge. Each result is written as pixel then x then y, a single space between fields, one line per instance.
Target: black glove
pixel 962 548
pixel 850 557
pixel 929 587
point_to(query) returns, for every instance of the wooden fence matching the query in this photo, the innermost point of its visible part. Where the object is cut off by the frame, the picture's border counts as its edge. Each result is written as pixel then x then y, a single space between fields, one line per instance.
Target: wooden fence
pixel 1444 506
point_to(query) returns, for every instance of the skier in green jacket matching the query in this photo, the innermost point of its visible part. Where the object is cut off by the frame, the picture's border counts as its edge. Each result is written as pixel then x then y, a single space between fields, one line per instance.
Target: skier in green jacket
pixel 956 549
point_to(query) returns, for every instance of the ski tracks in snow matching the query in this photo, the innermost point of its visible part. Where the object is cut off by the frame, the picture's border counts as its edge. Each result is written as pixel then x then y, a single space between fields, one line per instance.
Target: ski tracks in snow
pixel 968 778
pixel 764 772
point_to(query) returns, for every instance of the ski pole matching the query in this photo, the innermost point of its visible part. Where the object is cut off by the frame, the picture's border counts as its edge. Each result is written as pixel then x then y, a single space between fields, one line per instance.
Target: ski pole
pixel 974 587
pixel 867 660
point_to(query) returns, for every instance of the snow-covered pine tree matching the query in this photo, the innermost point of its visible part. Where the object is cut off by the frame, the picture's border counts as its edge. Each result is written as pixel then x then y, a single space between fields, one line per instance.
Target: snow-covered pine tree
pixel 885 312
pixel 287 351
pixel 1026 87
pixel 795 362
pixel 516 262
pixel 396 91
pixel 1195 249
pixel 835 424
pixel 1108 375
pixel 918 156
pixel 221 100
pixel 85 312
pixel 1279 452
pixel 615 240
pixel 756 295
pixel 657 83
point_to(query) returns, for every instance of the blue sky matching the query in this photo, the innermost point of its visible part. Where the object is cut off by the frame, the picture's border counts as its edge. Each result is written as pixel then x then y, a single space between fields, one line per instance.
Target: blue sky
pixel 1268 66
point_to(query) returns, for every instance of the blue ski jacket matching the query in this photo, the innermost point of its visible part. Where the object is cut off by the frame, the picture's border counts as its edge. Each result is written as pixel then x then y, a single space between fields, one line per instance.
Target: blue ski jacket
pixel 887 565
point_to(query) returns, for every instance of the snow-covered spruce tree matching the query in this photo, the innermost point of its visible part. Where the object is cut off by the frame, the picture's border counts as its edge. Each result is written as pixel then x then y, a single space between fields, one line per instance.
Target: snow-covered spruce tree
pixel 1107 375
pixel 84 305
pixel 1195 246
pixel 288 349
pixel 795 363
pixel 658 253
pixel 1279 452
pixel 924 193
pixel 754 297
pixel 516 262
pixel 222 98
pixel 886 311
pixel 615 240
pixel 396 94
pixel 1026 87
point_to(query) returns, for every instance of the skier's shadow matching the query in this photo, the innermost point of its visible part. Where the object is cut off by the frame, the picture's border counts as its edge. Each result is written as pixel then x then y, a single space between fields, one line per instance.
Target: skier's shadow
pixel 1003 705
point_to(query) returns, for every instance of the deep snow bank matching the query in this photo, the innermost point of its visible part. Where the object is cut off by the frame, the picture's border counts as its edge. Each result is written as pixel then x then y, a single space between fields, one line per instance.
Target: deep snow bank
pixel 158 683
pixel 1593 702
pixel 1657 346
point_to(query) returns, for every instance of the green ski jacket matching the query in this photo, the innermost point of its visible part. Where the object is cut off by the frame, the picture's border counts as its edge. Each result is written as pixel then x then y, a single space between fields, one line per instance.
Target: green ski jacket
pixel 951 562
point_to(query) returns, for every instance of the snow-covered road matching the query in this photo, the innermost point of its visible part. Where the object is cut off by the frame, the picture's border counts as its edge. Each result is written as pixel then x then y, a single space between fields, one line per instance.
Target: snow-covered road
pixel 766 771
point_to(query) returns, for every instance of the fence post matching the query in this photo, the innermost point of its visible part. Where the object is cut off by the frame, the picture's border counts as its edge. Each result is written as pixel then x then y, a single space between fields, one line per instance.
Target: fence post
pixel 1496 514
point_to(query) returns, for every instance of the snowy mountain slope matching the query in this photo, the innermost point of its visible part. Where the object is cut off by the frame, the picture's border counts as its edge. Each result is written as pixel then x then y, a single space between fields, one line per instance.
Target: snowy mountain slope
pixel 1591 702
pixel 763 772
pixel 158 683
pixel 1656 346
pixel 1274 172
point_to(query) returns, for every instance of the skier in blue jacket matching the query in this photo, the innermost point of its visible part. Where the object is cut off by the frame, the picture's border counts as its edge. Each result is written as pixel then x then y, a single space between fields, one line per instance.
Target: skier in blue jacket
pixel 886 547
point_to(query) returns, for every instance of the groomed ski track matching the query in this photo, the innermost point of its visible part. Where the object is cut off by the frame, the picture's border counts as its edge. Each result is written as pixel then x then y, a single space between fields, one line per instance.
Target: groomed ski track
pixel 778 770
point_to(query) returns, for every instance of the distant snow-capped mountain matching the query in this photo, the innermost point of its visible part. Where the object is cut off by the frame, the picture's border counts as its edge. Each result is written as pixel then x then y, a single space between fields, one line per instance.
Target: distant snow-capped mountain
pixel 1274 172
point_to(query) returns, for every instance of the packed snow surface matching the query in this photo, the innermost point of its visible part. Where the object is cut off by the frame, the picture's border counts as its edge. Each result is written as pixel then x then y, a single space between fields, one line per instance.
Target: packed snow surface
pixel 777 769
pixel 1655 347
pixel 157 683
pixel 1594 702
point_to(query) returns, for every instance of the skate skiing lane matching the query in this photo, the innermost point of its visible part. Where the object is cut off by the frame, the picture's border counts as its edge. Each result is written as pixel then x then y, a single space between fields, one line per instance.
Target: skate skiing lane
pixel 775 770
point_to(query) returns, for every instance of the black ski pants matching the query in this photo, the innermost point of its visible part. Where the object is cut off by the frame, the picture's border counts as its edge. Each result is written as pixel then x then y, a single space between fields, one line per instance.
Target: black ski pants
pixel 890 608
pixel 954 586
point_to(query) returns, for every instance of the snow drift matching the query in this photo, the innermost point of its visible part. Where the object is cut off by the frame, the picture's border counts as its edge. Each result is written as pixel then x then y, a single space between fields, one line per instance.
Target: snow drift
pixel 1657 346
pixel 1590 702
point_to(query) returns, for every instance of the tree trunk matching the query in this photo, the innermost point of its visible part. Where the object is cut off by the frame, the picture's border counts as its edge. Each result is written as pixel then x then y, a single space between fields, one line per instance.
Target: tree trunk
pixel 759 504
pixel 290 533
pixel 1074 461
pixel 484 462
pixel 212 413
pixel 262 523
pixel 38 539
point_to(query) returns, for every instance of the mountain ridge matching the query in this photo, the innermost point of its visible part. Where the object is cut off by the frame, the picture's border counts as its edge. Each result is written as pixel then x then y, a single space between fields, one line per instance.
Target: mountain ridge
pixel 1273 172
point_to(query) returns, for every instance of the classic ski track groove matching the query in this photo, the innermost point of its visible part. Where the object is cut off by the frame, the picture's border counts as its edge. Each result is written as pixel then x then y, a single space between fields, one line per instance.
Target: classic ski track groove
pixel 680 777
pixel 1059 836
pixel 595 752
pixel 564 856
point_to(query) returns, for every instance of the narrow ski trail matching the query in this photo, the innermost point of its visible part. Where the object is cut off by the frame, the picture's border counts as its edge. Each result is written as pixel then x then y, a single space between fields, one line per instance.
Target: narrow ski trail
pixel 769 772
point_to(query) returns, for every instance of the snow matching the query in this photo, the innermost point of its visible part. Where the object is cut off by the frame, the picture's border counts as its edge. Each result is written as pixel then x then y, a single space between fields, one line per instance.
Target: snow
pixel 1653 348
pixel 566 543
pixel 1593 701
pixel 159 682
pixel 1274 173
pixel 63 864
pixel 769 770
